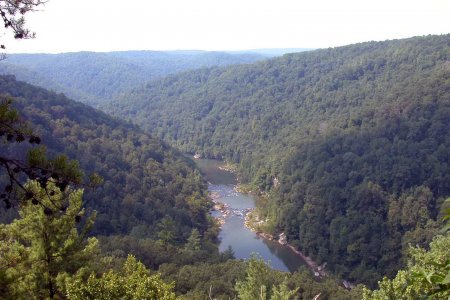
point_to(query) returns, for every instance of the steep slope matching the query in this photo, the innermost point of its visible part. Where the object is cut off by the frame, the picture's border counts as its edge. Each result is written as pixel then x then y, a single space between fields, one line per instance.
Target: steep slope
pixel 151 200
pixel 96 77
pixel 146 183
pixel 351 143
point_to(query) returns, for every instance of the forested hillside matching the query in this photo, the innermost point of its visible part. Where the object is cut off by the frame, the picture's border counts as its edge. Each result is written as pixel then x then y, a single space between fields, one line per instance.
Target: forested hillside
pixel 147 184
pixel 94 78
pixel 152 204
pixel 351 144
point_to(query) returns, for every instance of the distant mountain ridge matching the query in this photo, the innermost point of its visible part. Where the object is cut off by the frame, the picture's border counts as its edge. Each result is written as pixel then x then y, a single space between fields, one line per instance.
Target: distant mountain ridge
pixel 272 52
pixel 97 77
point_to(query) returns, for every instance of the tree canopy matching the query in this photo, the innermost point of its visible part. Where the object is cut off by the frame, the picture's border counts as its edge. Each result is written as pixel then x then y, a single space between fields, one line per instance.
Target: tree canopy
pixel 349 146
pixel 96 78
pixel 42 246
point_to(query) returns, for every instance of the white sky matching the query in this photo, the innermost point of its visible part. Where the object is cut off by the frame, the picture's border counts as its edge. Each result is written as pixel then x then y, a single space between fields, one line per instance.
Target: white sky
pixel 109 25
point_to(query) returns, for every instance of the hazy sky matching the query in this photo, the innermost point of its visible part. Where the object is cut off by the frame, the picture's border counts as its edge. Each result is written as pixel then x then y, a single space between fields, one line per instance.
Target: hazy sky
pixel 107 25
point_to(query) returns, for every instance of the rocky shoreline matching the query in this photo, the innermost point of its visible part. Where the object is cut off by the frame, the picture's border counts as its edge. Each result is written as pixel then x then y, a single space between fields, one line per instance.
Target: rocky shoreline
pixel 228 168
pixel 224 209
pixel 318 270
pixel 220 207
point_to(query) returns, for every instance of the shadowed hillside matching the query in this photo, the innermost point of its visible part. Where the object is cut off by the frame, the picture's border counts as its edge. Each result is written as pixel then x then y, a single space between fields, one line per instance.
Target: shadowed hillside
pixel 356 137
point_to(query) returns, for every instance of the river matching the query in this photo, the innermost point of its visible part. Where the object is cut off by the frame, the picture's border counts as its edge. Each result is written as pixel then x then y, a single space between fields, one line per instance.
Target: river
pixel 243 241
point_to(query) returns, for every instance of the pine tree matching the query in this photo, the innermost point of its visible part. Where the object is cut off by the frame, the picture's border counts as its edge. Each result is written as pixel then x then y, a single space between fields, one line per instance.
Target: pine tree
pixel 193 241
pixel 45 244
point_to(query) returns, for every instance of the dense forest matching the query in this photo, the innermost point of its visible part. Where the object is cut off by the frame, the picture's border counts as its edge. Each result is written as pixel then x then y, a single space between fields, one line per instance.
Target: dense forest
pixel 94 78
pixel 152 204
pixel 146 183
pixel 349 146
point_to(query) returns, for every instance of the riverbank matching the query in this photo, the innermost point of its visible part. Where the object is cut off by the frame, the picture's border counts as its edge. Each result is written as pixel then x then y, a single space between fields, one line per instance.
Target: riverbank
pixel 232 202
pixel 219 207
pixel 245 189
pixel 228 168
pixel 255 225
pixel 221 210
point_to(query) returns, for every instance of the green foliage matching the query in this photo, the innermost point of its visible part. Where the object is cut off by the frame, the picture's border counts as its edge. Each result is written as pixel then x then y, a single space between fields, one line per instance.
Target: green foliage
pixel 153 253
pixel 9 118
pixel 193 241
pixel 133 282
pixel 328 288
pixel 427 275
pixel 446 218
pixel 351 144
pixel 147 185
pixel 166 231
pixel 261 282
pixel 282 292
pixel 43 245
pixel 95 78
pixel 144 180
pixel 201 280
pixel 37 166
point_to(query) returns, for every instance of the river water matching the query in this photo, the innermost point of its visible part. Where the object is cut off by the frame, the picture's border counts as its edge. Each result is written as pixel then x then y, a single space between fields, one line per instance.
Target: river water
pixel 243 241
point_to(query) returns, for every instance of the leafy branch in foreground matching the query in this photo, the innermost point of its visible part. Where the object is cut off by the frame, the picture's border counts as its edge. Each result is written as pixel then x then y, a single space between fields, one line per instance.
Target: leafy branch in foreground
pixel 38 249
pixel 60 171
pixel 428 274
pixel 12 13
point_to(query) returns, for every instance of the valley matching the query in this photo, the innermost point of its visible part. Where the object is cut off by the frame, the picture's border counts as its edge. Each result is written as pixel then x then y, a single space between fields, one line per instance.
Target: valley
pixel 346 131
pixel 234 233
pixel 345 150
pixel 96 78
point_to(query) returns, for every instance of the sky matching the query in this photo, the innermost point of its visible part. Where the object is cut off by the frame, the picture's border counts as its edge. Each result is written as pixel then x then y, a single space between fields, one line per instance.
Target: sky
pixel 113 25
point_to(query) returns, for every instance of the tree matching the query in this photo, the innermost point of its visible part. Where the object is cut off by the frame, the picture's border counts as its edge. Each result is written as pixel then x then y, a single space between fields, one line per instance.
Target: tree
pixel 428 274
pixel 282 292
pixel 256 281
pixel 166 231
pixel 132 282
pixel 194 241
pixel 13 12
pixel 426 277
pixel 13 129
pixel 262 283
pixel 59 170
pixel 43 246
